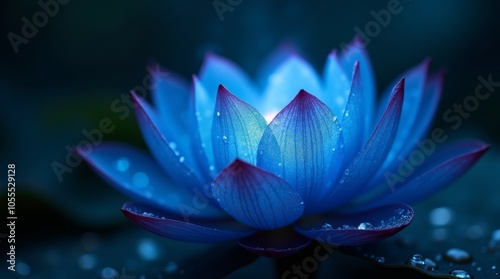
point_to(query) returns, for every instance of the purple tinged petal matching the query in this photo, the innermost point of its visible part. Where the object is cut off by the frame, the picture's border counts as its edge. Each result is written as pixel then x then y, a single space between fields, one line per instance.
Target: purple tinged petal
pixel 236 131
pixel 438 171
pixel 255 197
pixel 162 149
pixel 275 243
pixel 351 53
pixel 373 153
pixel 357 229
pixel 303 145
pixel 172 226
pixel 353 118
pixel 218 70
pixel 291 76
pixel 133 172
pixel 336 84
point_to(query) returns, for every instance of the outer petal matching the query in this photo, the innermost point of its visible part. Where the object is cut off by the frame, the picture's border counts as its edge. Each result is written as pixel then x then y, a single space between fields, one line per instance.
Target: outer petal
pixel 175 103
pixel 166 225
pixel 204 111
pixel 217 70
pixel 353 118
pixel 414 90
pixel 302 145
pixel 276 243
pixel 256 198
pixel 273 60
pixel 291 76
pixel 171 97
pixel 336 84
pixel 438 171
pixel 358 229
pixel 351 53
pixel 372 155
pixel 426 112
pixel 236 131
pixel 162 149
pixel 136 174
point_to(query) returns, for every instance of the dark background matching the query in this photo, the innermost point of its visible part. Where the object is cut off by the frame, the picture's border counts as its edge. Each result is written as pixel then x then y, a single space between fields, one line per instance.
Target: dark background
pixel 91 52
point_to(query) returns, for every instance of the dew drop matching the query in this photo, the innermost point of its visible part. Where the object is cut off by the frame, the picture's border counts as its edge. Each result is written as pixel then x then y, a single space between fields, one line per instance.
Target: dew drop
pixel 335 118
pixel 211 168
pixel 459 273
pixel 140 179
pixel 181 159
pixel 346 113
pixel 380 259
pixel 326 226
pixel 417 260
pixel 171 267
pixel 224 138
pixel 122 164
pixel 457 255
pixel 218 113
pixel 346 172
pixel 493 267
pixel 172 145
pixel 365 226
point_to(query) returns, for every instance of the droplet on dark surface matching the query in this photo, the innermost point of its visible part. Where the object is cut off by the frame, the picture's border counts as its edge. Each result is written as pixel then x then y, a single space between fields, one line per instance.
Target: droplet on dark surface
pixel 459 273
pixel 457 255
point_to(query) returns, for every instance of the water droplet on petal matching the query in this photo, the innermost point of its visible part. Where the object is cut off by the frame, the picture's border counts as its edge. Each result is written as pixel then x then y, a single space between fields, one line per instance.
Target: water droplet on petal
pixel 346 172
pixel 218 113
pixel 334 118
pixel 457 255
pixel 181 159
pixel 365 226
pixel 346 113
pixel 380 259
pixel 122 164
pixel 211 168
pixel 326 226
pixel 459 273
pixel 224 138
pixel 140 179
pixel 172 145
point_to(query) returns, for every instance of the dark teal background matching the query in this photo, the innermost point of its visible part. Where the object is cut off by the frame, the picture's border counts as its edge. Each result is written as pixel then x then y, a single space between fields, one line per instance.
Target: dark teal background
pixel 91 52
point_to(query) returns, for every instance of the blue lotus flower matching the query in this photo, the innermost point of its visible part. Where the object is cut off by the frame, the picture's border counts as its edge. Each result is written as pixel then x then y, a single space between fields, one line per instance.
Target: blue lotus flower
pixel 290 158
